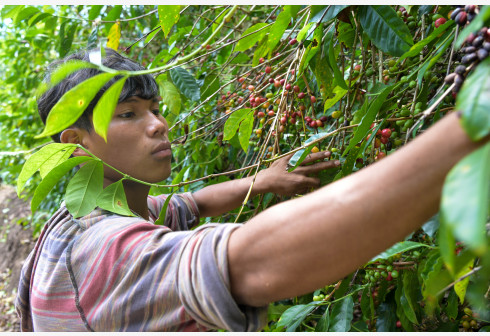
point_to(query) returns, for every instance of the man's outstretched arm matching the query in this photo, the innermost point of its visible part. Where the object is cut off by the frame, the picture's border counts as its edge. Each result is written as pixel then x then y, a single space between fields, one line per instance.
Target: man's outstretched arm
pixel 301 245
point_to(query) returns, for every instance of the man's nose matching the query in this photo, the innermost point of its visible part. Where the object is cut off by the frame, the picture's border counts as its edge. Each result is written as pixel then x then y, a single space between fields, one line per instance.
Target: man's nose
pixel 157 125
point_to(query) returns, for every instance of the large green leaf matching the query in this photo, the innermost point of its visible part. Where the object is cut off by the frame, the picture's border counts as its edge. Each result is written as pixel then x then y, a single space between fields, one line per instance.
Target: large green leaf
pixel 312 48
pixel 447 246
pixel 84 188
pixel 460 286
pixel 51 152
pixel 324 322
pixel 387 31
pixel 106 106
pixel 10 11
pixel 245 130
pixel 25 14
pixel 278 28
pixel 400 312
pixel 409 297
pixel 50 180
pixel 168 15
pixel 331 12
pixel 261 51
pixel 368 119
pixel 465 199
pixel 398 248
pixel 442 46
pixel 94 11
pixel 71 106
pixel 170 96
pixel 342 315
pixel 186 83
pixel 339 77
pixel 474 101
pixel 233 122
pixel 249 41
pixel 113 199
pixel 293 317
pixel 300 155
pixel 386 321
pixel 339 93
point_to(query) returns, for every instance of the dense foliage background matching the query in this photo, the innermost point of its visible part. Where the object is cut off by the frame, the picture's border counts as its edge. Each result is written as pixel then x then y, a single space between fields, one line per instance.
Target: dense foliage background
pixel 243 85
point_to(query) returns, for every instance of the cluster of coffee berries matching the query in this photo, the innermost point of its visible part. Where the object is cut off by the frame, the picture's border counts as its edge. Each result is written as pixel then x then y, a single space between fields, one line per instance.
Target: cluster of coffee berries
pixel 476 47
pixel 467 321
pixel 462 15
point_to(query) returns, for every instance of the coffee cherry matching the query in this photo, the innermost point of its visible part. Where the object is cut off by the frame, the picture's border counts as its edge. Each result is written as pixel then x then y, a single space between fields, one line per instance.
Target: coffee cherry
pixel 394 274
pixel 251 87
pixel 261 114
pixel 398 324
pixel 293 41
pixel 296 88
pixel 466 325
pixel 282 81
pixel 439 22
pixel 455 13
pixel 386 132
pixel 460 70
pixel 470 58
pixel 241 80
pixel 268 70
pixel 461 18
pixel 312 99
pixel 478 41
pixel 474 324
pixel 319 123
pixel 288 87
pixel 315 149
pixel 324 118
pixel 468 311
pixel 336 114
pixel 482 54
pixel 301 95
pixel 261 60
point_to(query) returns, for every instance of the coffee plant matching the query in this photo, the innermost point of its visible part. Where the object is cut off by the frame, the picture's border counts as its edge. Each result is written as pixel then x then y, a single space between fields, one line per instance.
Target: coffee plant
pixel 245 85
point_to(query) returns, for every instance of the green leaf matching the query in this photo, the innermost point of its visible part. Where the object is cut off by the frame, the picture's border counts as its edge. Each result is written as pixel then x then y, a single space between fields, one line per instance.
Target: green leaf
pixel 312 48
pixel 210 86
pixel 465 199
pixel 50 180
pixel 39 159
pixel 474 101
pixel 475 25
pixel 398 248
pixel 452 305
pixel 367 307
pixel 37 18
pixel 293 317
pixel 113 199
pixel 186 83
pixel 84 188
pixel 293 9
pixel 368 119
pixel 106 106
pixel 331 12
pixel 246 127
pixel 113 15
pixel 447 245
pixel 163 212
pixel 67 32
pixel 233 122
pixel 419 46
pixel 323 322
pixel 260 51
pixel 93 38
pixel 67 69
pixel 94 11
pixel 55 160
pixel 71 106
pixel 342 315
pixel 431 61
pixel 400 312
pixel 25 14
pixel 10 11
pixel 409 296
pixel 278 28
pixel 339 93
pixel 386 320
pixel 339 78
pixel 304 31
pixel 249 41
pixel 152 34
pixel 275 310
pixel 460 286
pixel 387 31
pixel 170 96
pixel 168 15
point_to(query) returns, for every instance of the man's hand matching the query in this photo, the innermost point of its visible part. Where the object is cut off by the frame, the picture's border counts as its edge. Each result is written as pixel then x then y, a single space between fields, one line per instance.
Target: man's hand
pixel 277 180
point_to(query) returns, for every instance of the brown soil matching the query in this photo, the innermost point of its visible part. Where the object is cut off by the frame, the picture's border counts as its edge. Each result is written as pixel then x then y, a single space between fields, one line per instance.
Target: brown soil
pixel 16 242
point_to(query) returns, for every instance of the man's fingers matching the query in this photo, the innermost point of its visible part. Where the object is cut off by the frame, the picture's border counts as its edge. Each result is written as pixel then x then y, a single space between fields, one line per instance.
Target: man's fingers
pixel 312 157
pixel 317 167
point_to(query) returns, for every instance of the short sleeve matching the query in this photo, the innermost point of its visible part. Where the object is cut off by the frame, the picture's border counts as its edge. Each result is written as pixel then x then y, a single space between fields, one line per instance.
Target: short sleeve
pixel 131 275
pixel 182 211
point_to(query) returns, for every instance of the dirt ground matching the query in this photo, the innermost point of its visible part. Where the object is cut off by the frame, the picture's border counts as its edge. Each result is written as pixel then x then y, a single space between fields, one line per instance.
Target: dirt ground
pixel 16 242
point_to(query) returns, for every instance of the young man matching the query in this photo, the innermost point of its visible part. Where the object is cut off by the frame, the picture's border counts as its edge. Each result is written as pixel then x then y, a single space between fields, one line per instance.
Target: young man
pixel 106 272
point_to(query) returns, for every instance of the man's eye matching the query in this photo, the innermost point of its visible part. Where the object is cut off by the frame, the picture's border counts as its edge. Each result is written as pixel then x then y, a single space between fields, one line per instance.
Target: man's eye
pixel 126 115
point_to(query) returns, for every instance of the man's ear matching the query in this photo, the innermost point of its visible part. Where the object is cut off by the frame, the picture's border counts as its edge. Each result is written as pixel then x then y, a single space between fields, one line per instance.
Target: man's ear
pixel 74 135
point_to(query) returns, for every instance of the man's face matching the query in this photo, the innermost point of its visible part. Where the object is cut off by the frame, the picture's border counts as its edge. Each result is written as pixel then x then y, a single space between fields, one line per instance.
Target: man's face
pixel 137 142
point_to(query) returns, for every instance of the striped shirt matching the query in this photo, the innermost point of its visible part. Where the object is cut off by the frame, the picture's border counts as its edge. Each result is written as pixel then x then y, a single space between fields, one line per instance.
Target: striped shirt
pixel 105 272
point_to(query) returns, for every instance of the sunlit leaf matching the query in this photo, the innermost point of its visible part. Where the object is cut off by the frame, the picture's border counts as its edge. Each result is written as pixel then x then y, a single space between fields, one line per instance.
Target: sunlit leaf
pixel 328 13
pixel 474 101
pixel 114 36
pixel 169 15
pixel 94 11
pixel 163 211
pixel 293 317
pixel 465 199
pixel 84 188
pixel 106 106
pixel 249 41
pixel 54 175
pixel 398 248
pixel 40 159
pixel 233 122
pixel 245 130
pixel 113 199
pixel 460 286
pixel 278 28
pixel 71 106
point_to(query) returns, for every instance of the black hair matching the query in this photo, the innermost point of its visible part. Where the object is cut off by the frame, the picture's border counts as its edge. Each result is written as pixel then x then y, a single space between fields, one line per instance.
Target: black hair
pixel 143 86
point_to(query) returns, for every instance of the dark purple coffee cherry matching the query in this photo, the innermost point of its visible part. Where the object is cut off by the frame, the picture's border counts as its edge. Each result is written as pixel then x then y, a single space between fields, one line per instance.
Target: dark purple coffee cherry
pixel 482 54
pixel 460 70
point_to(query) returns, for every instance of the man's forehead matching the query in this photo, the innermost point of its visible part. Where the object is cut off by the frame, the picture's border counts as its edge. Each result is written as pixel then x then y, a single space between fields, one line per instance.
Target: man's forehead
pixel 137 99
